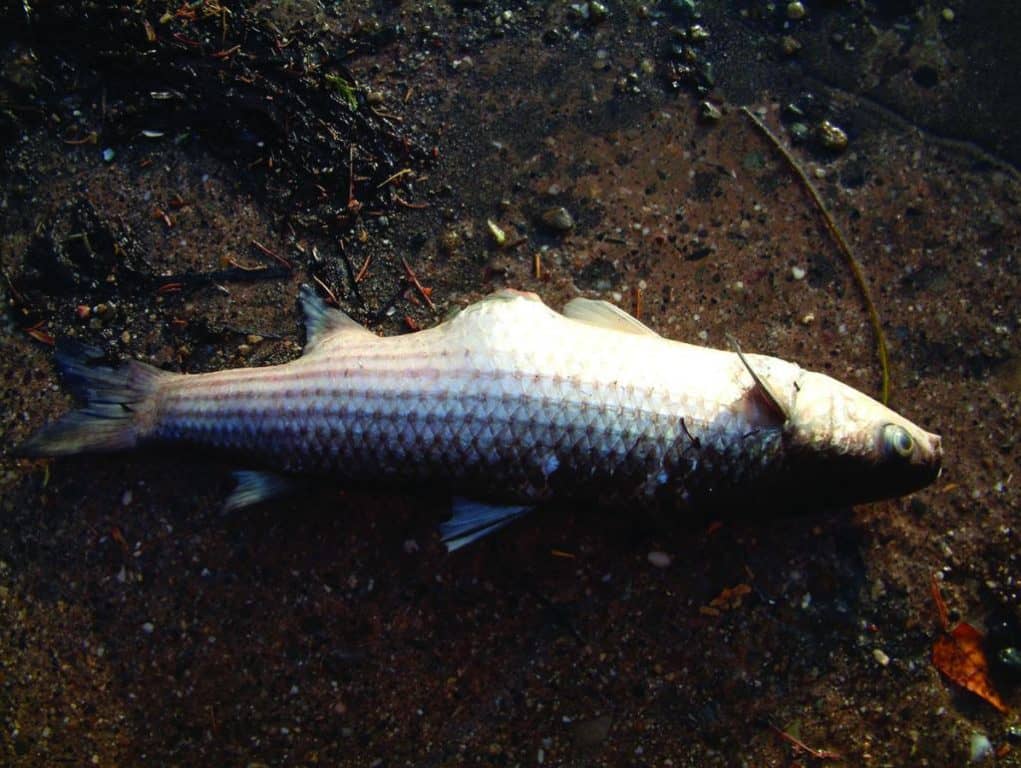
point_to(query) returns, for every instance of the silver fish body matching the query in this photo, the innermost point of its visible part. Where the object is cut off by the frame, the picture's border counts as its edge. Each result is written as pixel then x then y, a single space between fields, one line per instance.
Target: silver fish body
pixel 513 402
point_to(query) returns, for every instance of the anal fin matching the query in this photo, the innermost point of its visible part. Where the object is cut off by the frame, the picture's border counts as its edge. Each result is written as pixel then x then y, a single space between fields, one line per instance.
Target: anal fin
pixel 471 520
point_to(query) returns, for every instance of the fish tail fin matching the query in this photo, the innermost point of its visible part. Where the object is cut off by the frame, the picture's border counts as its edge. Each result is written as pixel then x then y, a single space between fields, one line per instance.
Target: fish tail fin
pixel 118 405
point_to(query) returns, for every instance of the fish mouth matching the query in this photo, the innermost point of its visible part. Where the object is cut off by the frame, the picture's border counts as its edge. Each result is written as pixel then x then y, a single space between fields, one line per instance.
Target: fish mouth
pixel 934 459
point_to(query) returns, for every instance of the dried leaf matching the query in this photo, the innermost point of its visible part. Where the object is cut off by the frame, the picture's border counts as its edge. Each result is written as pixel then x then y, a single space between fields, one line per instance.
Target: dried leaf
pixel 40 335
pixel 729 599
pixel 959 656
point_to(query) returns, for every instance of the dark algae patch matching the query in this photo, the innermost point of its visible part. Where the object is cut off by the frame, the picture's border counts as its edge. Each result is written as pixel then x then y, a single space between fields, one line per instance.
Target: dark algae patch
pixel 171 172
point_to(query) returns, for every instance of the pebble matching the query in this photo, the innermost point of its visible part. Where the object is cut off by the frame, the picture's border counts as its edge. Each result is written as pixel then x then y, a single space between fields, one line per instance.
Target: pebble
pixel 709 112
pixel 789 45
pixel 499 236
pixel 980 747
pixel 798 273
pixel 880 656
pixel 558 218
pixel 1010 657
pixel 450 242
pixel 799 132
pixel 947 14
pixel 795 11
pixel 108 155
pixel 148 627
pixel 660 559
pixel 832 136
pixel 597 12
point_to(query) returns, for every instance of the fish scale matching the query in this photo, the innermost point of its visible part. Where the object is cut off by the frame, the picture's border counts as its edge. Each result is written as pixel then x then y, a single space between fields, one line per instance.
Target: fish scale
pixel 501 395
pixel 514 402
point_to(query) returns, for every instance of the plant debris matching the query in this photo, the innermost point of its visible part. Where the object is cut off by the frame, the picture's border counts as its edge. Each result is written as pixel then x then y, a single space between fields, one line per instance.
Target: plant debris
pixel 959 656
pixel 281 105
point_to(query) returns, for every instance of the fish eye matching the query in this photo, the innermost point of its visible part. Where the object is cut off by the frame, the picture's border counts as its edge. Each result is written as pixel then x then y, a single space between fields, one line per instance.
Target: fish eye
pixel 897 440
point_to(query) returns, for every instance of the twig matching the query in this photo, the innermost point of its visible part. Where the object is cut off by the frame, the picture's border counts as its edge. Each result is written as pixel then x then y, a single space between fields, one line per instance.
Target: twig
pixel 941 605
pixel 353 204
pixel 364 268
pixel 280 259
pixel 818 754
pixel 406 204
pixel 845 249
pixel 394 177
pixel 418 286
pixel 238 265
pixel 332 296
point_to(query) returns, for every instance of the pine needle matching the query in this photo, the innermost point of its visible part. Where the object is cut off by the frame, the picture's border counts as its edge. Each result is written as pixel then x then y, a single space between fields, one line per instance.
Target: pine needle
pixel 845 249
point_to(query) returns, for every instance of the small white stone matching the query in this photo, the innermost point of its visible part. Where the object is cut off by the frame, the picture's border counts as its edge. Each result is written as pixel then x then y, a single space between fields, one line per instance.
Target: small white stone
pixel 660 559
pixel 798 273
pixel 148 627
pixel 880 655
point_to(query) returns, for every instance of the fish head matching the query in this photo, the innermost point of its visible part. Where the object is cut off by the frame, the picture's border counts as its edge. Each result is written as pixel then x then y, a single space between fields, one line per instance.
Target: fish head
pixel 852 448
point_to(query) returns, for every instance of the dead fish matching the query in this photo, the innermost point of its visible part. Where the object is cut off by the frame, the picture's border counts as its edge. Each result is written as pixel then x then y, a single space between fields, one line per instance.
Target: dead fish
pixel 510 404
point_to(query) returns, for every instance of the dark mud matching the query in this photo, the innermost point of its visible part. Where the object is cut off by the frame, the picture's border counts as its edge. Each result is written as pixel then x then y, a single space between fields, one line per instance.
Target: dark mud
pixel 303 141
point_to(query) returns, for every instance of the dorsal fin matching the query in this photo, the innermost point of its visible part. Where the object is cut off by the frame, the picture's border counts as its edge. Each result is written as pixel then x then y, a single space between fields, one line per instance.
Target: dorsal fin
pixel 322 322
pixel 505 294
pixel 603 314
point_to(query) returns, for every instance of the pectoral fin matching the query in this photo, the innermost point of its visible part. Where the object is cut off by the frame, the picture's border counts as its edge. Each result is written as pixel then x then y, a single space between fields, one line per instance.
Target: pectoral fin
pixel 762 388
pixel 254 487
pixel 471 520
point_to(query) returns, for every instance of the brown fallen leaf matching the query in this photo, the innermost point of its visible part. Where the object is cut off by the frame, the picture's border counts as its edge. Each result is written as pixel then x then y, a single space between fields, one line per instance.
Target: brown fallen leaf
pixel 729 599
pixel 958 655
